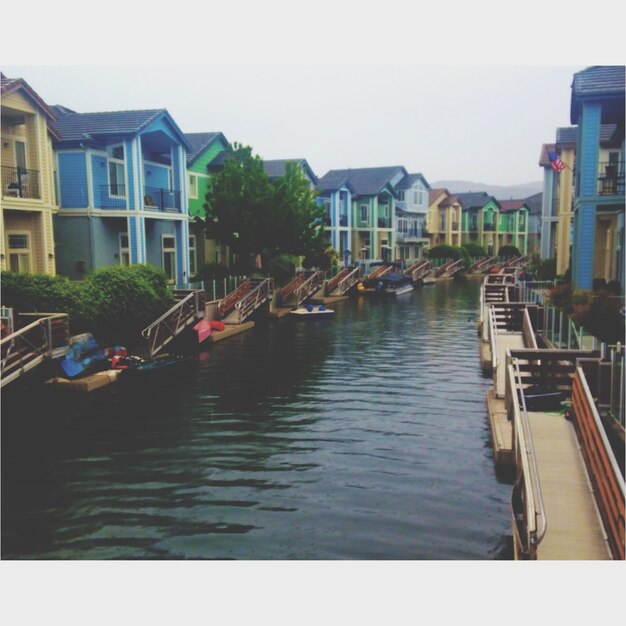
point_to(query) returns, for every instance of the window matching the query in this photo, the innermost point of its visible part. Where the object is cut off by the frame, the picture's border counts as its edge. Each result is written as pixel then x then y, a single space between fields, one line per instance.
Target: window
pixel 124 250
pixel 117 181
pixel 365 210
pixel 169 256
pixel 193 186
pixel 193 263
pixel 19 252
pixel 416 197
pixel 385 211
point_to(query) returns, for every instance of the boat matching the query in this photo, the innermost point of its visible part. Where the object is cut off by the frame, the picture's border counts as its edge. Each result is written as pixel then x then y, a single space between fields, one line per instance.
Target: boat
pixel 394 284
pixel 312 311
pixel 136 370
pixel 85 356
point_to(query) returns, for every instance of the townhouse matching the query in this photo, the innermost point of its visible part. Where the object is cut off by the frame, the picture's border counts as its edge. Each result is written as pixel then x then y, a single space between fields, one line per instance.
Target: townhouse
pixel 28 201
pixel 122 180
pixel 411 213
pixel 444 222
pixel 513 225
pixel 598 98
pixel 205 148
pixel 480 220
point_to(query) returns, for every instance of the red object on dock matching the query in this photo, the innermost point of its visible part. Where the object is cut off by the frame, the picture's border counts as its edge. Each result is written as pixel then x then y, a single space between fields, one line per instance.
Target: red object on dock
pixel 203 330
pixel 217 325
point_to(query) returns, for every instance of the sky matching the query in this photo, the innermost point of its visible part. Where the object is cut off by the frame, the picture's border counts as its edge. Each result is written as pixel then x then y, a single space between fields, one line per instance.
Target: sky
pixel 481 124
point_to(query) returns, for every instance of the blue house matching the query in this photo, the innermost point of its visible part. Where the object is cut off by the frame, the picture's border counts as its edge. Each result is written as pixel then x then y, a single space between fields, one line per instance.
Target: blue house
pixel 598 244
pixel 335 193
pixel 122 187
pixel 411 212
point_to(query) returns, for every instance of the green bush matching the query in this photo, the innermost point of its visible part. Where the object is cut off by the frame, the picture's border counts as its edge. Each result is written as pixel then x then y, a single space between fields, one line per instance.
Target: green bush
pixel 473 249
pixel 39 293
pixel 599 314
pixel 444 251
pixel 543 269
pixel 114 304
pixel 508 251
pixel 214 271
pixel 118 302
pixel 282 268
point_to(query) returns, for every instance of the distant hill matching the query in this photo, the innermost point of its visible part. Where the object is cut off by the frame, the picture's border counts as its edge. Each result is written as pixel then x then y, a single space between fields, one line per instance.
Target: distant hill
pixel 500 192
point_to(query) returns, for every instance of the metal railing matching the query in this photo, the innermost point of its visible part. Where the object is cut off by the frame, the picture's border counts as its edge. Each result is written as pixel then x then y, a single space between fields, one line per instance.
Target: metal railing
pixel 19 182
pixel 527 507
pixel 610 179
pixel 160 199
pixel 186 311
pixel 489 227
pixel 27 347
pixel 384 222
pixel 260 293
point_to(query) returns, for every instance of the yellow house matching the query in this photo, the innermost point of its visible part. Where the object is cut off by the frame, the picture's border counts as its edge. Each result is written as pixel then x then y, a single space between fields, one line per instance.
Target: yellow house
pixel 28 188
pixel 444 220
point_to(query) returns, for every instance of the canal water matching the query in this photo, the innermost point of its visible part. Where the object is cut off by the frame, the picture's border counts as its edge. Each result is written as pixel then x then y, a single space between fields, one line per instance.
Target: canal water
pixel 360 437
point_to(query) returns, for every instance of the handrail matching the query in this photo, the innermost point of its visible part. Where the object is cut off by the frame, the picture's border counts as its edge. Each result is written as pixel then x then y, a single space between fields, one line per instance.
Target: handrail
pixel 308 287
pixel 253 299
pixel 349 280
pixel 331 285
pixel 602 466
pixel 528 332
pixel 167 313
pixel 493 337
pixel 523 437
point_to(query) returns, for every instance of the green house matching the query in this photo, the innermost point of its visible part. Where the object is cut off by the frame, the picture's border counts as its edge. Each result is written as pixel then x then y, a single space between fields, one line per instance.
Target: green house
pixel 206 149
pixel 513 225
pixel 480 220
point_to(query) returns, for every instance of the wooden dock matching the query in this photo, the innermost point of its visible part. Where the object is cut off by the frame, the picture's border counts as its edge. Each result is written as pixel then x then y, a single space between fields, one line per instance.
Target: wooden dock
pixel 279 312
pixel 229 331
pixel 501 431
pixel 575 530
pixel 87 383
pixel 486 362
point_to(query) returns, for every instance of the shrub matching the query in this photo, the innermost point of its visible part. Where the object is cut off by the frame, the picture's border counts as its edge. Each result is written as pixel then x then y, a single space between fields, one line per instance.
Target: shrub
pixel 473 249
pixel 118 302
pixel 39 293
pixel 599 314
pixel 508 251
pixel 561 297
pixel 543 269
pixel 444 251
pixel 282 268
pixel 213 271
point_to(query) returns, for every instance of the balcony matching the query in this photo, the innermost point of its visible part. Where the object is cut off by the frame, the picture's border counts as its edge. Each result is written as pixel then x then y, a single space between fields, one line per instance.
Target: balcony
pixel 489 227
pixel 455 226
pixel 611 179
pixel 160 199
pixel 18 182
pixel 384 222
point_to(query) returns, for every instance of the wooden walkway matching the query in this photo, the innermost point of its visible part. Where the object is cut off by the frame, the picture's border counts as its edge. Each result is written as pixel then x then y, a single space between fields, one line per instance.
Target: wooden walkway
pixel 574 527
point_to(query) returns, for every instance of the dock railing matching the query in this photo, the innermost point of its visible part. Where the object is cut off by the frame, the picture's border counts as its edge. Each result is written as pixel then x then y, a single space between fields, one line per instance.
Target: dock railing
pixel 261 292
pixel 185 312
pixel 28 347
pixel 602 467
pixel 527 507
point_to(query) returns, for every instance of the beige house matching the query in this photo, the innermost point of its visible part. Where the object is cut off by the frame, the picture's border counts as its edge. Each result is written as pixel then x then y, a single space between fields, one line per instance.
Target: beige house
pixel 28 187
pixel 443 223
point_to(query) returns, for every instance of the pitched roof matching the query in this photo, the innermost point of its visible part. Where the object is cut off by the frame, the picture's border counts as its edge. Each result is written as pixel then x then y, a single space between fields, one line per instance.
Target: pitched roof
pixel 475 199
pixel 366 181
pixel 409 180
pixel 76 127
pixel 597 81
pixel 544 159
pixel 433 194
pixel 8 85
pixel 508 206
pixel 534 203
pixel 278 167
pixel 199 142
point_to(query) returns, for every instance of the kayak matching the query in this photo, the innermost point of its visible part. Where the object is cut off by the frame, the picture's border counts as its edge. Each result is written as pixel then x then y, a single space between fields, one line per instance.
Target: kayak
pixel 158 369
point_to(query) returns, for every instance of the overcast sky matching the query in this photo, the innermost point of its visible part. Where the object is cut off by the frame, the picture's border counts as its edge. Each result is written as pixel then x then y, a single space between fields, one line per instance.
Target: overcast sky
pixel 483 124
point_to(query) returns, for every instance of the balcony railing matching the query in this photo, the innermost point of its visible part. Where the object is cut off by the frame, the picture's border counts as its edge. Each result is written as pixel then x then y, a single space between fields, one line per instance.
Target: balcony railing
pixel 384 222
pixel 610 179
pixel 455 226
pixel 18 182
pixel 159 199
pixel 489 227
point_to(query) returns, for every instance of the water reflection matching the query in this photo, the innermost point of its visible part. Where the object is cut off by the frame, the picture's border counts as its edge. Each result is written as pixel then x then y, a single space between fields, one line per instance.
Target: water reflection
pixel 364 436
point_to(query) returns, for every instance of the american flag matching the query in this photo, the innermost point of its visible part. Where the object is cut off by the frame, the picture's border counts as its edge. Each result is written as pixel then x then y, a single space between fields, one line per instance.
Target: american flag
pixel 557 164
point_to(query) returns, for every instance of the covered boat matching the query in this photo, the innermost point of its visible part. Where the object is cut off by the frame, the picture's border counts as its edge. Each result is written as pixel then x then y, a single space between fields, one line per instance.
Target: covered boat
pixel 85 356
pixel 160 368
pixel 394 284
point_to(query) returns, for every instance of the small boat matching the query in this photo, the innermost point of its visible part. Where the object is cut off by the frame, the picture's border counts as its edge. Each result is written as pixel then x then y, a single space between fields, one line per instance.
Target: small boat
pixel 136 370
pixel 312 311
pixel 85 356
pixel 394 284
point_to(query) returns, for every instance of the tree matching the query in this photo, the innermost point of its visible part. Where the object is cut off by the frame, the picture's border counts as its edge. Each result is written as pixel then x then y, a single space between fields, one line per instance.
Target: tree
pixel 255 216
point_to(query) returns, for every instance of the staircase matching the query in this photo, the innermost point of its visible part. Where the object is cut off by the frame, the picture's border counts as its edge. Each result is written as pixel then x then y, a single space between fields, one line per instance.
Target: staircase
pixel 418 270
pixel 241 303
pixel 302 287
pixel 340 284
pixel 186 312
pixel 23 350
